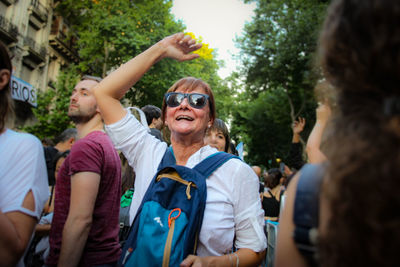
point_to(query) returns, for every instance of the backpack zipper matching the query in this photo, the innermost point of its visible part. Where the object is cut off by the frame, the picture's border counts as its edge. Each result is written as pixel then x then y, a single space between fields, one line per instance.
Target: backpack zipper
pixel 175 176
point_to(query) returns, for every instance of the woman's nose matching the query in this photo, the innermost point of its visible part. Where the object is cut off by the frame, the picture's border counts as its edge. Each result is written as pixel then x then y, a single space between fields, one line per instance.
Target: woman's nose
pixel 184 103
pixel 213 139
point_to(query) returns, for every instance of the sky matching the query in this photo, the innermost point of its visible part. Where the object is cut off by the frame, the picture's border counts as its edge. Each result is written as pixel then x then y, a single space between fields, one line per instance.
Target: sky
pixel 218 22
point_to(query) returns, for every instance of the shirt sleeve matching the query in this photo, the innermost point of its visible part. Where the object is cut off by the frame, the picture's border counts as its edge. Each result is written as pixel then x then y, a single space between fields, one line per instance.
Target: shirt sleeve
pixel 248 213
pixel 85 156
pixel 142 150
pixel 26 172
pixel 135 142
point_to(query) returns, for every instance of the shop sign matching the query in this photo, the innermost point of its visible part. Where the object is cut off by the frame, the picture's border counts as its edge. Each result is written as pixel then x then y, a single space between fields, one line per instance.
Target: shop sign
pixel 23 91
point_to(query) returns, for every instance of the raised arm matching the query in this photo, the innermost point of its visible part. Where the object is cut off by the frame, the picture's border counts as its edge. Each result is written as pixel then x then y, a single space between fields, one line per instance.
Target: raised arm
pixel 295 158
pixel 109 92
pixel 314 153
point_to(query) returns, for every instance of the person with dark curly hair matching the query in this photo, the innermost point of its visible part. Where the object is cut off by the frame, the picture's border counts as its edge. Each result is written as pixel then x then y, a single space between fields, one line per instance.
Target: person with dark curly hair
pixel 359 203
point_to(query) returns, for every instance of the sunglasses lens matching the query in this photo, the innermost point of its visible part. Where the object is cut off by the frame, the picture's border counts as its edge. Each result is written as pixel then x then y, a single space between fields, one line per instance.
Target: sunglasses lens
pixel 197 100
pixel 174 100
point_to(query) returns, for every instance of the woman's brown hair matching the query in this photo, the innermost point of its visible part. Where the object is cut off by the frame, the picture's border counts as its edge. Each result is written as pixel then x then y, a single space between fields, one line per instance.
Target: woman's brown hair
pixel 6 103
pixel 360 57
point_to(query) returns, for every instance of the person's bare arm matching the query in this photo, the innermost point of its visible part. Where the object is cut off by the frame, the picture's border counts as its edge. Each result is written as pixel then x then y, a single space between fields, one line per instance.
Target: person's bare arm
pixel 314 152
pixel 84 189
pixel 16 229
pixel 42 229
pixel 109 92
pixel 244 256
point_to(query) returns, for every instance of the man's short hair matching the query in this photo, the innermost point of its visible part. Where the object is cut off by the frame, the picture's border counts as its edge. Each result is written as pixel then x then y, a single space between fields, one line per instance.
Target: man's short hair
pixel 151 112
pixel 91 78
pixel 66 134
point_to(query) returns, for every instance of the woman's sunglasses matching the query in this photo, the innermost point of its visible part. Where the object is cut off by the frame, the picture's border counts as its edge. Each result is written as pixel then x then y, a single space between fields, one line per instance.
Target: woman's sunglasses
pixel 196 100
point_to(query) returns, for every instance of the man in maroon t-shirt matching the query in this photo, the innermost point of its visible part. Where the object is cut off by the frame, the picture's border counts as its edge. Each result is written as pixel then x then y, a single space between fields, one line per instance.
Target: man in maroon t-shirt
pixel 85 224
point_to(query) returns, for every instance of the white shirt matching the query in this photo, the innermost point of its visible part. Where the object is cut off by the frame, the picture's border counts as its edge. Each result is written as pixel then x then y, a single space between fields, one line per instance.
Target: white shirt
pixel 233 204
pixel 22 168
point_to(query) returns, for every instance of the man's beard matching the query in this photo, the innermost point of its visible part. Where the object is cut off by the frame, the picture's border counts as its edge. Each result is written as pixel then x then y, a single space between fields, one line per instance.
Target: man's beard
pixel 79 118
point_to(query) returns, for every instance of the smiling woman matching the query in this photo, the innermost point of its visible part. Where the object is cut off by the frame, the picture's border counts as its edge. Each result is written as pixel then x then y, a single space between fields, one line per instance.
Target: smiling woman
pixel 218 136
pixel 188 111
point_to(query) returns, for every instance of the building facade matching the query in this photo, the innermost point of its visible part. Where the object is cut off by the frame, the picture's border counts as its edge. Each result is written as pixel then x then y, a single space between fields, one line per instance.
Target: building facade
pixel 41 44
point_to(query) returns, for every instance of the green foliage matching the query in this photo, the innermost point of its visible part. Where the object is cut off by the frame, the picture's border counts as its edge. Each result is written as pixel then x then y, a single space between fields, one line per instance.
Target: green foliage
pixel 53 106
pixel 113 31
pixel 278 58
pixel 263 124
pixel 279 44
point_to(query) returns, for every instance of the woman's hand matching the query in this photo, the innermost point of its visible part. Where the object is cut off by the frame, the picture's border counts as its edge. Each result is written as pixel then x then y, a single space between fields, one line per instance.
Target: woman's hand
pixel 298 125
pixel 196 261
pixel 179 46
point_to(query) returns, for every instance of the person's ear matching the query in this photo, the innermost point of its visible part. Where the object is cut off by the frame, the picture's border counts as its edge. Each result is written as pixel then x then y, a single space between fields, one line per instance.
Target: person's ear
pixel 210 122
pixel 71 140
pixel 154 121
pixel 5 76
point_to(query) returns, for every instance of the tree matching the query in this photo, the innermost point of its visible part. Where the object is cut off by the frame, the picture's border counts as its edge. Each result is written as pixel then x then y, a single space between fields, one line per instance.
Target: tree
pixel 278 54
pixel 113 31
pixel 109 34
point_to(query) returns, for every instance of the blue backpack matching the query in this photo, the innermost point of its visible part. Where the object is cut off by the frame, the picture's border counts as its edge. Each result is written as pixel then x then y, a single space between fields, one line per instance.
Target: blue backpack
pixel 168 222
pixel 306 211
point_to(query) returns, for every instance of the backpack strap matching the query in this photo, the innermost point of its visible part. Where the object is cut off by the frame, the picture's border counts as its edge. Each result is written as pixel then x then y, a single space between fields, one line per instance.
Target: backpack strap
pixel 207 166
pixel 306 211
pixel 270 193
pixel 167 160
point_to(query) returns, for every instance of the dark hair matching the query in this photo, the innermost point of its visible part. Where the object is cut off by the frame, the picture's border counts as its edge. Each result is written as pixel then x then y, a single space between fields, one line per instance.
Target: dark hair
pixel 66 134
pixel 219 125
pixel 360 57
pixel 91 78
pixel 6 102
pixel 47 141
pixel 273 178
pixel 190 84
pixel 151 112
pixel 232 149
pixel 128 179
pixel 58 156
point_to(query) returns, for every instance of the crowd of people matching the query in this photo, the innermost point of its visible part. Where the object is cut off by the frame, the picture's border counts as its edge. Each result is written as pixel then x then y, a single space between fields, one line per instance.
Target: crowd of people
pixel 99 196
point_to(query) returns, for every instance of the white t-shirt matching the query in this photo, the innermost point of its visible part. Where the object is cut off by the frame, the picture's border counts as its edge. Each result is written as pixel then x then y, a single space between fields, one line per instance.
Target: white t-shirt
pixel 22 168
pixel 233 205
